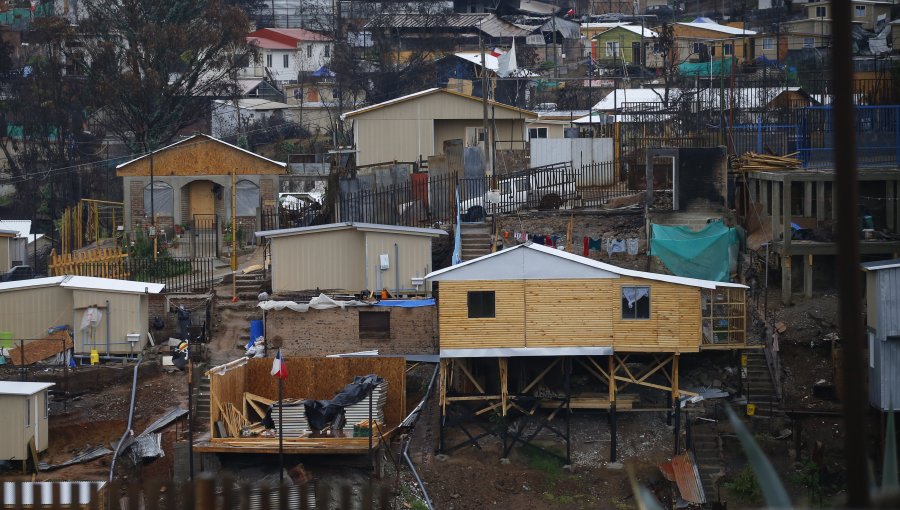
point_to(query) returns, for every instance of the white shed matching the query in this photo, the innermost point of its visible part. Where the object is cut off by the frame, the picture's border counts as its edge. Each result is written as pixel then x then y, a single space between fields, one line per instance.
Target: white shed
pixel 25 408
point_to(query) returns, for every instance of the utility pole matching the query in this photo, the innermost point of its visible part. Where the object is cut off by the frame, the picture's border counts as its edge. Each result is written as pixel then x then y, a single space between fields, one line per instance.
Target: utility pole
pixel 153 207
pixel 484 107
pixel 234 264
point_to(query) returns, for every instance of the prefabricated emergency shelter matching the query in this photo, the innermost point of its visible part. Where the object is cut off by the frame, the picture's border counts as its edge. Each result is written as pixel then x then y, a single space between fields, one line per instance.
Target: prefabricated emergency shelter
pixel 106 315
pixel 25 408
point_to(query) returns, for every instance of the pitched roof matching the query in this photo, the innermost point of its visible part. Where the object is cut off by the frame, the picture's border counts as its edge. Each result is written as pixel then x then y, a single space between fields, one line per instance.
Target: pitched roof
pixel 427 92
pixel 635 29
pixel 199 136
pixel 22 228
pixel 715 27
pixel 22 388
pixel 283 34
pixel 366 227
pixel 86 283
pixel 270 44
pixel 531 261
pixel 490 24
pixel 881 264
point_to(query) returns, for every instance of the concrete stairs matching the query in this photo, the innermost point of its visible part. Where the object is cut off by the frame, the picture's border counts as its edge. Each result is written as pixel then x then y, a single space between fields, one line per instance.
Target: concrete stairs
pixel 759 388
pixel 248 286
pixel 201 400
pixel 475 239
pixel 707 447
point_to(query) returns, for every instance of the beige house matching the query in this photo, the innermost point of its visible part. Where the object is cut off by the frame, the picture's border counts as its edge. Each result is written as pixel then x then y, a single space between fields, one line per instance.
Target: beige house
pixel 867 13
pixel 416 126
pixel 25 411
pixel 350 257
pixel 28 308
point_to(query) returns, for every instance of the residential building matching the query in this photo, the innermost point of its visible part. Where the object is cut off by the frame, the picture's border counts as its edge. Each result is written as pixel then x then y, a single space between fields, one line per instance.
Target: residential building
pixel 462 31
pixel 7 249
pixel 414 127
pixel 706 40
pixel 191 187
pixel 350 257
pixel 26 409
pixel 228 118
pixel 285 54
pixel 627 44
pixel 21 246
pixel 869 14
pixel 883 325
pixel 802 34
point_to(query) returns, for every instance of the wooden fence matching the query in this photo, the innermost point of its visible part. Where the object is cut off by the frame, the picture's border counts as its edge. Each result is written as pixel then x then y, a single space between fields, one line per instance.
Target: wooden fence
pixel 100 262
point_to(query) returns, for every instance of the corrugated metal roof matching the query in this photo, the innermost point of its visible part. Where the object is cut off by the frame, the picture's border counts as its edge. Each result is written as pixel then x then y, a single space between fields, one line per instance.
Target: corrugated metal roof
pixel 490 24
pixel 110 285
pixel 591 263
pixel 426 92
pixel 715 27
pixel 369 227
pixel 881 264
pixel 22 388
pixel 683 471
pixel 45 489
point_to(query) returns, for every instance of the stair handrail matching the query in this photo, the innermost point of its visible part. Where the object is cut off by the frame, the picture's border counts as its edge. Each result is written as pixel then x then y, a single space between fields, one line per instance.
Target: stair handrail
pixel 457 238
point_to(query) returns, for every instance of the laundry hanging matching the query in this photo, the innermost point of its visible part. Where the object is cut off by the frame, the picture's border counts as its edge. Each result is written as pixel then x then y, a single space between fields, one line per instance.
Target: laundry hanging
pixel 632 246
pixel 615 246
pixel 633 294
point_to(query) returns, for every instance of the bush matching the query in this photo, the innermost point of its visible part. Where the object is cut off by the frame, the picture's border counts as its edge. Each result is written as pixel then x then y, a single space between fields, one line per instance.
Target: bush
pixel 745 486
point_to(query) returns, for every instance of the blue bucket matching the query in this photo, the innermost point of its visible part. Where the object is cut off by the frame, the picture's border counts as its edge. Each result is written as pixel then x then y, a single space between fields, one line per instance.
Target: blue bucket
pixel 256 330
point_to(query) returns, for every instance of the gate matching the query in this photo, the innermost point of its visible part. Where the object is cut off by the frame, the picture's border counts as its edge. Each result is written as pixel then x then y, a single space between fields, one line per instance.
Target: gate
pixel 204 234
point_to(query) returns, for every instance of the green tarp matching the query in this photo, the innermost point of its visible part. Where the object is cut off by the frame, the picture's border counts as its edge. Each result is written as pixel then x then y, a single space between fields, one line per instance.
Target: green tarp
pixel 711 68
pixel 706 254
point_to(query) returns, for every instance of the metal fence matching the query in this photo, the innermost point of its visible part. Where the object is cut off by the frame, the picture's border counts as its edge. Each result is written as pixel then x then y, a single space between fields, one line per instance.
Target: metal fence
pixel 430 201
pixel 177 273
pixel 205 493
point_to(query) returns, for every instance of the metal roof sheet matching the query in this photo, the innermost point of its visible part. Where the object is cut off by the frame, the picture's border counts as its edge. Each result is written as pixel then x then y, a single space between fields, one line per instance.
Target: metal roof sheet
pixel 683 471
pixel 426 92
pixel 22 388
pixel 32 284
pixel 881 264
pixel 715 27
pixel 110 285
pixel 490 24
pixel 603 268
pixel 366 227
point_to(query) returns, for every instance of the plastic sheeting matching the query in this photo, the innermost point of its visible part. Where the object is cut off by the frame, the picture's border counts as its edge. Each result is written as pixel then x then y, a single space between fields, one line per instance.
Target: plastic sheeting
pixel 163 199
pixel 247 198
pixel 320 302
pixel 705 254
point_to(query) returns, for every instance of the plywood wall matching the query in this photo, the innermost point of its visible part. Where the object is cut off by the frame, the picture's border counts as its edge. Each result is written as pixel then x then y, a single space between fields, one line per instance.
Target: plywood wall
pixel 321 378
pixel 201 156
pixel 572 313
pixel 226 388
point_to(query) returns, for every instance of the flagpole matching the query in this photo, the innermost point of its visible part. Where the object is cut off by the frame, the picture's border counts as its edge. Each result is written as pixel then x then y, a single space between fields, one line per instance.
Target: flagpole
pixel 280 429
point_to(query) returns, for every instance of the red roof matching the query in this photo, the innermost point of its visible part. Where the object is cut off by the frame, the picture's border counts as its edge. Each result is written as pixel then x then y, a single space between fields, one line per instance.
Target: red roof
pixel 269 44
pixel 287 36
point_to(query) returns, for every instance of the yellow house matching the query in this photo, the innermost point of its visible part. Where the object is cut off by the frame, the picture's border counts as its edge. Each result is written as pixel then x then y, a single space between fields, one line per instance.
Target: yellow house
pixel 25 411
pixel 417 125
pixel 696 40
pixel 866 13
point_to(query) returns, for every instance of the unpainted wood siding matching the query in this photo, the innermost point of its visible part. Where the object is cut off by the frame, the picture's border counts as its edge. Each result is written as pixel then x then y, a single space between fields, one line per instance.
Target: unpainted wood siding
pixel 324 260
pixel 572 313
pixel 414 259
pixel 15 436
pixel 406 130
pixel 28 313
pixel 126 314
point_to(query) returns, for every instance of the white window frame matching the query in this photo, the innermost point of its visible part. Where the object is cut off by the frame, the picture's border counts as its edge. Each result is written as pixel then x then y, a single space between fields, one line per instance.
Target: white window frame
pixel 613 48
pixel 859 11
pixel 268 60
pixel 768 43
pixel 728 49
pixel 821 11
pixel 537 132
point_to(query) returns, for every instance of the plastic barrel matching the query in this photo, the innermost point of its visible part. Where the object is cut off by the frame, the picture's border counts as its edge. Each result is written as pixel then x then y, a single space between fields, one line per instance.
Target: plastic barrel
pixel 256 329
pixel 6 339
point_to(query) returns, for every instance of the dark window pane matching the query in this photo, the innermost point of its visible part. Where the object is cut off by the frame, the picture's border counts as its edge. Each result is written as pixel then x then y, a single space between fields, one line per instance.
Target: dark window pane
pixel 375 325
pixel 481 304
pixel 635 302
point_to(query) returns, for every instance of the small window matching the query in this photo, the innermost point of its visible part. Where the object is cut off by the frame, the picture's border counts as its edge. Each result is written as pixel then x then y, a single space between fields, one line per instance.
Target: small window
pixel 268 60
pixel 698 48
pixel 284 59
pixel 474 136
pixel 327 51
pixel 612 48
pixel 309 51
pixel 375 325
pixel 27 412
pixel 728 49
pixel 821 11
pixel 809 42
pixel 481 304
pixel 768 43
pixel 540 132
pixel 859 11
pixel 635 302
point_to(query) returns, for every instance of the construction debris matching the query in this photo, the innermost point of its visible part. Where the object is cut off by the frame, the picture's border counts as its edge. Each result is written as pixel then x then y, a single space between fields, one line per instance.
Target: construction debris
pixel 88 454
pixel 33 351
pixel 753 162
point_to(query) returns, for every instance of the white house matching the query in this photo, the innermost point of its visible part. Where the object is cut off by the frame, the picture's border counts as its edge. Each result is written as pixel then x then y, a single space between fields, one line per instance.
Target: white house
pixel 286 53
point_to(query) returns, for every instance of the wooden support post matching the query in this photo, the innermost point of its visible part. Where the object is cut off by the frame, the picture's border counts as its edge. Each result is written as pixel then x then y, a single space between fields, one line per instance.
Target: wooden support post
pixel 820 202
pixel 776 210
pixel 504 389
pixel 612 410
pixel 676 391
pixel 808 277
pixel 807 199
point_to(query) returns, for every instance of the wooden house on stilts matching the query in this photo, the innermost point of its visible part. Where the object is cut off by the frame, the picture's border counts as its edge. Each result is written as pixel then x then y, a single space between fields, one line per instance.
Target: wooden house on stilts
pixel 516 324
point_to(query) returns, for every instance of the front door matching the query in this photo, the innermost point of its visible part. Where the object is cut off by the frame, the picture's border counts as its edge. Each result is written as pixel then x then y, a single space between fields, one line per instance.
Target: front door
pixel 202 198
pixel 636 53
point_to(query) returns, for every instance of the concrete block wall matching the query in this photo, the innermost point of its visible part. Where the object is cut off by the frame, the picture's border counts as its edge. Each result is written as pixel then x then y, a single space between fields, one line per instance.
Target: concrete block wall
pixel 334 331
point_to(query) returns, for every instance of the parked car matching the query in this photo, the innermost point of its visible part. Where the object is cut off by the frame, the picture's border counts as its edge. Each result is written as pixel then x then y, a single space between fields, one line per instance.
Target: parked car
pixel 17 273
pixel 541 188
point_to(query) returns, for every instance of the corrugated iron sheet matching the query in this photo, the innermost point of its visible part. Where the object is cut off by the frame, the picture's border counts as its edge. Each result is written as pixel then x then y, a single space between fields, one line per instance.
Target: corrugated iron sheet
pixel 683 471
pixel 487 23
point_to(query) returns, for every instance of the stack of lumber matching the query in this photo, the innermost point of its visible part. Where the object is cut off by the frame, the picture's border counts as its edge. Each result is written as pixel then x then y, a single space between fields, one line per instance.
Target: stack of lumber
pixel 753 162
pixel 624 401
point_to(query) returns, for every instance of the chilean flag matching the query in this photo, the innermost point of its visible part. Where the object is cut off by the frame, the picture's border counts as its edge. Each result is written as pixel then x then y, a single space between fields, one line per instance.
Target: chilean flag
pixel 279 368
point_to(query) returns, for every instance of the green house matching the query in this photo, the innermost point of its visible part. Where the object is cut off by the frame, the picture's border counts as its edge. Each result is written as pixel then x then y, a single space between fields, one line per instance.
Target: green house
pixel 625 44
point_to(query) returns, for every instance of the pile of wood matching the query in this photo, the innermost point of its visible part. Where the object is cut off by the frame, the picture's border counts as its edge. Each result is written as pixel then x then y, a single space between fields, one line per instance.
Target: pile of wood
pixel 753 162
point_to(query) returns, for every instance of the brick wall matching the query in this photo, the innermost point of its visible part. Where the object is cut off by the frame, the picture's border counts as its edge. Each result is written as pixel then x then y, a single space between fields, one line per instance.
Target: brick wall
pixel 322 332
pixel 246 226
pixel 267 192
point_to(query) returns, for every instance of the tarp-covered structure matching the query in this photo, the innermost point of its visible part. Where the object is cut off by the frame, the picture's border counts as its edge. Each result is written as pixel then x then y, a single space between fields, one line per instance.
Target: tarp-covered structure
pixel 708 254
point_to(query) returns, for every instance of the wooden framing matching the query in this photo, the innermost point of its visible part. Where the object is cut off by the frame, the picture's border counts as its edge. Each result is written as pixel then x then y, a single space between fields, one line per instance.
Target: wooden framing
pixel 724 319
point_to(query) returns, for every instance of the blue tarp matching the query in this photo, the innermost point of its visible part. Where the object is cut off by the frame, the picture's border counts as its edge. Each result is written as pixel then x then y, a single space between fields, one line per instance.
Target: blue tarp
pixel 705 254
pixel 406 303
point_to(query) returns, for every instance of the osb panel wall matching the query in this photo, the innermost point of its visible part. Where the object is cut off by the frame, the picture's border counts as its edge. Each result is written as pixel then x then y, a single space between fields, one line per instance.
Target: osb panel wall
pixel 321 378
pixel 228 387
pixel 334 331
pixel 201 157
